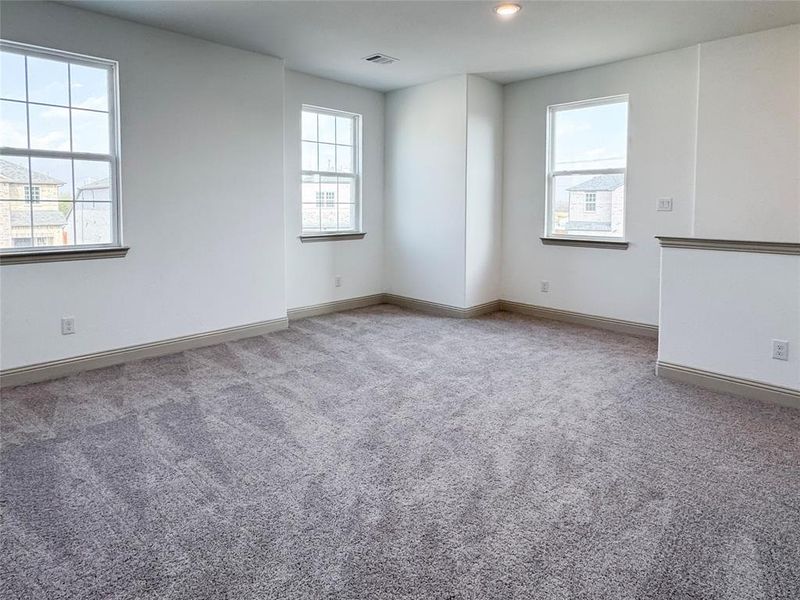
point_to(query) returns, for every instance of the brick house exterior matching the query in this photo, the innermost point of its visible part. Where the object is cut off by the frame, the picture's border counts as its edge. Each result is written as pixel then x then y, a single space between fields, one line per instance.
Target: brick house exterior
pixel 20 199
pixel 597 205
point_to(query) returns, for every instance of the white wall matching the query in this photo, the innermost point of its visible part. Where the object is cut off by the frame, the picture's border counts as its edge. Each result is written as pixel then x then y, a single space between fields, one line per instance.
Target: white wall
pixel 662 114
pixel 720 312
pixel 311 268
pixel 425 191
pixel 748 146
pixel 202 182
pixel 484 190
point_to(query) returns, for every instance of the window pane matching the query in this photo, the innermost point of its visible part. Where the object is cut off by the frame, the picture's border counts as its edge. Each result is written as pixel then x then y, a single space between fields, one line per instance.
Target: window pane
pixel 48 81
pixel 346 190
pixel 49 127
pixel 329 218
pixel 344 130
pixel 38 195
pixel 569 202
pixel 50 224
pixel 92 181
pixel 15 224
pixel 52 179
pixel 327 128
pixel 12 76
pixel 328 202
pixel 344 159
pixel 89 87
pixel 309 189
pixel 327 157
pixel 592 137
pixel 13 125
pixel 347 215
pixel 311 217
pixel 93 223
pixel 309 156
pixel 328 191
pixel 13 177
pixel 309 126
pixel 90 132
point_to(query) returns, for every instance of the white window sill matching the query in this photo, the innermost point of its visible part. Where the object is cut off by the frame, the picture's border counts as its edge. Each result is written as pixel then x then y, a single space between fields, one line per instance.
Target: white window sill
pixel 585 242
pixel 39 256
pixel 329 237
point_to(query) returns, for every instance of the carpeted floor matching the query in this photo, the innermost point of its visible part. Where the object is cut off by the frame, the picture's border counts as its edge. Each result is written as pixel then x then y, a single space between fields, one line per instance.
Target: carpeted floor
pixel 383 453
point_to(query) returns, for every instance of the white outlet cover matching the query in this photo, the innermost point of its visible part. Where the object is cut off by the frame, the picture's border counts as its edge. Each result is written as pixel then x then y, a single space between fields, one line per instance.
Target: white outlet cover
pixel 67 325
pixel 780 349
pixel 664 204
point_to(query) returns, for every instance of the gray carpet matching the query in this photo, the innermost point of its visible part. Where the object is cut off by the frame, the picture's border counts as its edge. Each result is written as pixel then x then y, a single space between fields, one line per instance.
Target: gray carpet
pixel 383 453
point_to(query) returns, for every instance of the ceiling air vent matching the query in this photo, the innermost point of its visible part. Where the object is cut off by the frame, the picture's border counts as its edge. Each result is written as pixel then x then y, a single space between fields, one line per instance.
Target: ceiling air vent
pixel 380 59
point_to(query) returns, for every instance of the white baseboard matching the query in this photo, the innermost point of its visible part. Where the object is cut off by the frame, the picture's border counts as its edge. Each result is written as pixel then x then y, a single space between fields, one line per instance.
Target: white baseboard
pixel 748 388
pixel 315 310
pixel 442 310
pixel 68 366
pixel 618 325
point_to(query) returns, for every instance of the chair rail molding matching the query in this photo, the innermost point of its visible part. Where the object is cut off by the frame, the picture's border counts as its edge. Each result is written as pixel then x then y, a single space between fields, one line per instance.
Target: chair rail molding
pixel 689 243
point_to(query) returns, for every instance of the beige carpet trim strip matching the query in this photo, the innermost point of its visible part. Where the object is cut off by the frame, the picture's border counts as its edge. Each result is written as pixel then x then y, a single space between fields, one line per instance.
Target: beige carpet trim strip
pixel 68 366
pixel 618 325
pixel 748 388
pixel 730 245
pixel 315 310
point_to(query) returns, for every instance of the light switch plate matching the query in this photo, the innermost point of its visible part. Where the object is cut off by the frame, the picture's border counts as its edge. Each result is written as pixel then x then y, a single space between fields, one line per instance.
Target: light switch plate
pixel 664 204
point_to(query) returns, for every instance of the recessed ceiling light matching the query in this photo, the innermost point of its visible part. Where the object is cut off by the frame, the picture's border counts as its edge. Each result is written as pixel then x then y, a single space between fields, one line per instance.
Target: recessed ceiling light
pixel 507 9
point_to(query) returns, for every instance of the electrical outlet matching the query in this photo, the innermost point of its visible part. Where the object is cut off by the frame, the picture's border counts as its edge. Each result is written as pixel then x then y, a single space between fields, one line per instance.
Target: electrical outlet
pixel 545 287
pixel 67 325
pixel 780 349
pixel 664 204
pixel 337 281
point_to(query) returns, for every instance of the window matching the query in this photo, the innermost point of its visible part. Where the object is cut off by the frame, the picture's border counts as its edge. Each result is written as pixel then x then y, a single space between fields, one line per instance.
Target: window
pixel 586 169
pixel 33 193
pixel 326 199
pixel 331 179
pixel 58 148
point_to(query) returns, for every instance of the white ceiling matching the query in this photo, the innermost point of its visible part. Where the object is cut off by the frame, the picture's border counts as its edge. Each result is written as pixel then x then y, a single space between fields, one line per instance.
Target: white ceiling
pixel 434 39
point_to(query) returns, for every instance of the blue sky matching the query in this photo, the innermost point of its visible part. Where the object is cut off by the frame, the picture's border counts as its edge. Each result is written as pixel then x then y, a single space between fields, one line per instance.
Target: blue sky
pixel 593 137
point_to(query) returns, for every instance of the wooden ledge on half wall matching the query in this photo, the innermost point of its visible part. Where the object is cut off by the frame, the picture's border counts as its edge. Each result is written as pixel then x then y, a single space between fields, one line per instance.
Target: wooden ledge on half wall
pixel 690 243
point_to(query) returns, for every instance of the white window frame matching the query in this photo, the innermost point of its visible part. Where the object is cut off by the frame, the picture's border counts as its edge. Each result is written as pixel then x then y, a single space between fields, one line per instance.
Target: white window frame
pixel 356 175
pixel 552 173
pixel 113 157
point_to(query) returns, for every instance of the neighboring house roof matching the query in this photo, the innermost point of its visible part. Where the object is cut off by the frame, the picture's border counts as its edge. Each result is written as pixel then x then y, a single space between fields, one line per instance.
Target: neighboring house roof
pixel 86 207
pixel 12 173
pixel 100 184
pixel 22 218
pixel 600 183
